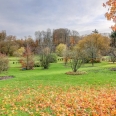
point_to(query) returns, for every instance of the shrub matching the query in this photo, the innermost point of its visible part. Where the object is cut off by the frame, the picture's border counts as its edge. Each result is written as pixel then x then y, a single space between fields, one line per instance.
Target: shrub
pixel 37 64
pixel 53 58
pixel 27 59
pixel 45 60
pixel 3 63
pixel 25 65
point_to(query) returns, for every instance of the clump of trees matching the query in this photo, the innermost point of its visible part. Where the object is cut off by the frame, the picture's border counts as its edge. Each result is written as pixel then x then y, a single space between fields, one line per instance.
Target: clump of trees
pixel 63 42
pixel 7 44
pixel 65 36
pixel 94 45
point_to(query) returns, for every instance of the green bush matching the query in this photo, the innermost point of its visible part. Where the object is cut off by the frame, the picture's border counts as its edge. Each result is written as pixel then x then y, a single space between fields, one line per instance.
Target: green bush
pixel 53 58
pixel 45 60
pixel 37 64
pixel 3 63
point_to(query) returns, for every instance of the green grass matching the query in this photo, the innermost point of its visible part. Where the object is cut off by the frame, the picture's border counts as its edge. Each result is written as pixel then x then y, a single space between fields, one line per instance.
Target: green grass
pixel 99 75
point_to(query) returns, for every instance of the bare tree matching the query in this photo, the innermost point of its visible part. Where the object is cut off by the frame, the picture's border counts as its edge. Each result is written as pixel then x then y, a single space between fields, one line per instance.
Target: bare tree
pixel 44 38
pixel 45 47
pixel 61 36
pixel 74 38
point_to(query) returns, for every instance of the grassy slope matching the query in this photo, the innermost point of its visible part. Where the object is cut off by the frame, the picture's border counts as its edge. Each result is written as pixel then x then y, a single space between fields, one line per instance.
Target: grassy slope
pixel 55 75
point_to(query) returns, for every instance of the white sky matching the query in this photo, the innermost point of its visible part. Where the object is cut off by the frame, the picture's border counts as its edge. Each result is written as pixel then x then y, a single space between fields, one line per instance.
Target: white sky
pixel 24 17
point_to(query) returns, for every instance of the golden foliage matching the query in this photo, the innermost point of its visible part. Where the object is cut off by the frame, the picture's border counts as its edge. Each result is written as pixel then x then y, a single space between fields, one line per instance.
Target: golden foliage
pixel 19 52
pixel 96 40
pixel 60 48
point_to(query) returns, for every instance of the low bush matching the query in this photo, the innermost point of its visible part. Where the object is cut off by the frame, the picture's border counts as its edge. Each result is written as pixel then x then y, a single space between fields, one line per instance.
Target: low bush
pixel 53 58
pixel 37 64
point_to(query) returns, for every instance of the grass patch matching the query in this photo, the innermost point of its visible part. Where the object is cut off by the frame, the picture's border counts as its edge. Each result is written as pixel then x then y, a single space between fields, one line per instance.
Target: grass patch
pixel 98 75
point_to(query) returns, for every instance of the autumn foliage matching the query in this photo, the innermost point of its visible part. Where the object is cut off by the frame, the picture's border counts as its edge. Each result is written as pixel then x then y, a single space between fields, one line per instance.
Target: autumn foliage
pixel 54 101
pixel 27 60
pixel 111 14
pixel 60 48
pixel 94 45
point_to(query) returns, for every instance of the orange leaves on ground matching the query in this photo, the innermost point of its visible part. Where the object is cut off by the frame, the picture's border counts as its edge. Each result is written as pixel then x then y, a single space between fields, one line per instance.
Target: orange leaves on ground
pixel 48 101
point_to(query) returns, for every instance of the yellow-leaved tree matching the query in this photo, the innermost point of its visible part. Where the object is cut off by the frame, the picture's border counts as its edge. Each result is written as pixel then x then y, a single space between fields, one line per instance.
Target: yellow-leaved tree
pixel 60 48
pixel 93 45
pixel 19 52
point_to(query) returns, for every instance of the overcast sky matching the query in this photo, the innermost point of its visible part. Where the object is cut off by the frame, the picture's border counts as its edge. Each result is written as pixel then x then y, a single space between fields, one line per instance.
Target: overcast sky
pixel 24 17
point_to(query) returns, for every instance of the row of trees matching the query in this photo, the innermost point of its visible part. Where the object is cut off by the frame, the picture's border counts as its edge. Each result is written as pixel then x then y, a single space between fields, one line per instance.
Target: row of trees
pixel 71 47
pixel 44 44
pixel 9 43
pixel 77 49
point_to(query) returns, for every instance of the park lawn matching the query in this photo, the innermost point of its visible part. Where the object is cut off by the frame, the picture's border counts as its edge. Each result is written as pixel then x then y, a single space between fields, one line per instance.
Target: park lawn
pixel 45 92
pixel 99 75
